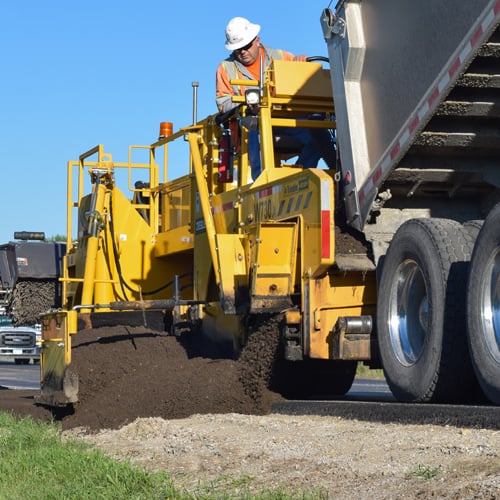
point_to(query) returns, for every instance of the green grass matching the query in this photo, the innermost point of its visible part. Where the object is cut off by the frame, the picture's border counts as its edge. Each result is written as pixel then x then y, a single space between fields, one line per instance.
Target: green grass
pixel 425 472
pixel 365 372
pixel 36 464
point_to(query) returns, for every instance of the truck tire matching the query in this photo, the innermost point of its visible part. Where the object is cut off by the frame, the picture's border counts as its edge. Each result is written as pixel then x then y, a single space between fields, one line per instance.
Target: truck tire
pixel 473 227
pixel 483 307
pixel 420 313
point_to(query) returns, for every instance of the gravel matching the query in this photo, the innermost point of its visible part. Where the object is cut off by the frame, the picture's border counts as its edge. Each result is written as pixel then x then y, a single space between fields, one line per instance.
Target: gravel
pixel 149 399
pixel 326 457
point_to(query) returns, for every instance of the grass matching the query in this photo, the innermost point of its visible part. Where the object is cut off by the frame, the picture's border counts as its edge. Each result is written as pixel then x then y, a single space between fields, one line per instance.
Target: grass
pixel 425 472
pixel 365 372
pixel 36 464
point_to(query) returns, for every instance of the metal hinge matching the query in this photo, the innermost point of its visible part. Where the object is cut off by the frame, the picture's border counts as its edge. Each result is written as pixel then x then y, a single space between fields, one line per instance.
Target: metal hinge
pixel 332 25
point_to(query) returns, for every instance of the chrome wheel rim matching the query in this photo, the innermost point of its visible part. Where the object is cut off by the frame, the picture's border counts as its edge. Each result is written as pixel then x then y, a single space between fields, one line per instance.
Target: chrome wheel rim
pixel 490 306
pixel 408 313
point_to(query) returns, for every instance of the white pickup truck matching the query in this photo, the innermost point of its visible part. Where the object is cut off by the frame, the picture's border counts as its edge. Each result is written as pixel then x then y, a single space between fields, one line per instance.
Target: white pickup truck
pixel 20 343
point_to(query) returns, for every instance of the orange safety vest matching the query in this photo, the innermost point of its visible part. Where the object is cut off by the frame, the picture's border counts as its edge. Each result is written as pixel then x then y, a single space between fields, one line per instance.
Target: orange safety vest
pixel 232 69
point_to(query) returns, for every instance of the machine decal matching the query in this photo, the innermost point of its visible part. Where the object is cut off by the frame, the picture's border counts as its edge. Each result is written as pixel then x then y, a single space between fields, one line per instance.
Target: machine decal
pixel 200 226
pixel 223 207
pixel 269 206
pixel 299 203
pixel 263 193
pixel 300 185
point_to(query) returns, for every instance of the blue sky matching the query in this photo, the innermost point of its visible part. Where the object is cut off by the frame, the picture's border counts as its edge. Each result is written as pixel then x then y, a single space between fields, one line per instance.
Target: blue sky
pixel 76 74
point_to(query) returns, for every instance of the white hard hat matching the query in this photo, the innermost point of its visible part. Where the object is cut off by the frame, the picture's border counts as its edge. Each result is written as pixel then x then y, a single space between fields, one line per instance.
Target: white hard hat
pixel 240 32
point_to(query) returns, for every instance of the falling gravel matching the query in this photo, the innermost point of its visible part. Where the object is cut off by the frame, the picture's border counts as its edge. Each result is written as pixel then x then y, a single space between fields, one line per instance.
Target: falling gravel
pixel 31 298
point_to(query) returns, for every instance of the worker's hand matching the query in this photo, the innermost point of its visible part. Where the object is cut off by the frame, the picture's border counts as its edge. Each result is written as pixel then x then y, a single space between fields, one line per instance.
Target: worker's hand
pixel 301 58
pixel 253 109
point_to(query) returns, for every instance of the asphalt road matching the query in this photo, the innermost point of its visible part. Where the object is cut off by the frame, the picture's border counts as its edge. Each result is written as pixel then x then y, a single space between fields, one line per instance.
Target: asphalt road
pixel 370 389
pixel 15 376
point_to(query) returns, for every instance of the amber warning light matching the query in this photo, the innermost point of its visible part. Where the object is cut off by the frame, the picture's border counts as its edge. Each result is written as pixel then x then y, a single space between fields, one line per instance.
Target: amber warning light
pixel 165 129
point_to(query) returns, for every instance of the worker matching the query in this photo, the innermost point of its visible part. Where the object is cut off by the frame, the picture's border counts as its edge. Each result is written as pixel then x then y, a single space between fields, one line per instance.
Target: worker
pixel 247 52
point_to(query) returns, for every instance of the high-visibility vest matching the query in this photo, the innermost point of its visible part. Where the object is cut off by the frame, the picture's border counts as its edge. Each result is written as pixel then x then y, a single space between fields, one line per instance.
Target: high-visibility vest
pixel 235 70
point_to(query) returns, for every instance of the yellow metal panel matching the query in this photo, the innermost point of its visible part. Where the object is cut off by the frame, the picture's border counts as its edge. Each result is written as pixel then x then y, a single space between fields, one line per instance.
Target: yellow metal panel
pixel 203 198
pixel 176 203
pixel 232 269
pixel 173 241
pixel 276 246
pixel 307 196
pixel 334 296
pixel 135 245
pixel 204 284
pixel 274 257
pixel 128 254
pixel 301 79
pixel 224 209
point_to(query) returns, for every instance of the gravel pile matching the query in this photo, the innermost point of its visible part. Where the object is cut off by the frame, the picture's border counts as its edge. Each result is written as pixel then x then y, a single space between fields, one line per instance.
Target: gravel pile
pixel 331 457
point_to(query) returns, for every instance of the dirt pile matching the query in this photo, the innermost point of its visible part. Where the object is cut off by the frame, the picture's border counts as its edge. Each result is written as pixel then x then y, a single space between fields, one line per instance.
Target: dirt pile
pixel 131 372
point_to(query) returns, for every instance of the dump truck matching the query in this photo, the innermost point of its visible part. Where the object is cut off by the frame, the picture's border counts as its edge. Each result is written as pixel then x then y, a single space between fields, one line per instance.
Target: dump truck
pixel 30 268
pixel 364 259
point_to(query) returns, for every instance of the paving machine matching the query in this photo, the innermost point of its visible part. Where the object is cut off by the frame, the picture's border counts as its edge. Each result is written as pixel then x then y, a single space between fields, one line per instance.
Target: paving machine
pixel 364 259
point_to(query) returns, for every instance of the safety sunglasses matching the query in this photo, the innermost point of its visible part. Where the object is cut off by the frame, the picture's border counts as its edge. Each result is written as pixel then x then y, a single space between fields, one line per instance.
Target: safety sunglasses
pixel 247 47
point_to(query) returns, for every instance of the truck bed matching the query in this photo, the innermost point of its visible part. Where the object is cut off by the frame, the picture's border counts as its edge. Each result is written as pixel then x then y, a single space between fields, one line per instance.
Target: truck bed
pixel 456 155
pixel 417 108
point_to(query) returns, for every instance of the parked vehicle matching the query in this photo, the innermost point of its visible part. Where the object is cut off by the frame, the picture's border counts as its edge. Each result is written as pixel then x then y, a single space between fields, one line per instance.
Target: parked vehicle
pixel 20 343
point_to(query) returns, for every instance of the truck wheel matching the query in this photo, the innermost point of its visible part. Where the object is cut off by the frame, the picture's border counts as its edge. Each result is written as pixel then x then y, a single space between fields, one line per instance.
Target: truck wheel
pixel 420 313
pixel 483 307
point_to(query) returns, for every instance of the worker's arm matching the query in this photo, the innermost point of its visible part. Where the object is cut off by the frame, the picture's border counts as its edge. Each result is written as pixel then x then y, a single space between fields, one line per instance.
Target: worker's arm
pixel 288 56
pixel 223 91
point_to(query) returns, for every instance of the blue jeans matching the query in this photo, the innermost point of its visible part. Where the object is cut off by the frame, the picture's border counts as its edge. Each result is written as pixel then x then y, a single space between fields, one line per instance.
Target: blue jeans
pixel 308 156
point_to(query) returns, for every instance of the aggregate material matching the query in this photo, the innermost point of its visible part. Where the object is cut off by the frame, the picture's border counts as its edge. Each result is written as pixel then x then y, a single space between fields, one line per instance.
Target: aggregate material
pixel 152 400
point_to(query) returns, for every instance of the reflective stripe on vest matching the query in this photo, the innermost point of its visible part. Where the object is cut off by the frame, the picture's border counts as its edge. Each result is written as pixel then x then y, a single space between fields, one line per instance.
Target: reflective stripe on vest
pixel 237 71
